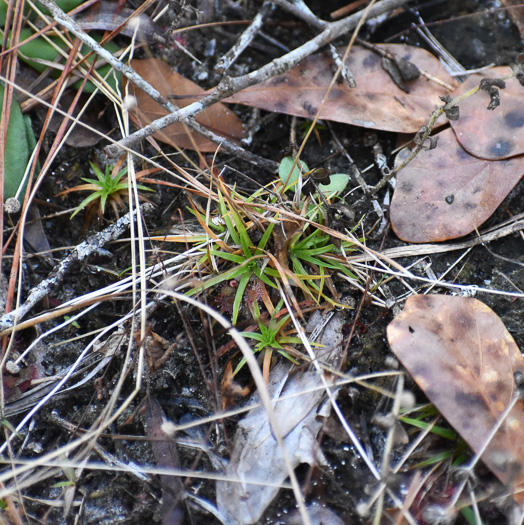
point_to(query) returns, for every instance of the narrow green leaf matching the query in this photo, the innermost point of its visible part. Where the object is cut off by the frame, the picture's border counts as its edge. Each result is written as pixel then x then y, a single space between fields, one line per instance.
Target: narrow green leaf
pixel 239 259
pixel 439 431
pixel 85 202
pixel 17 149
pixel 227 219
pixel 253 335
pixel 239 295
pixel 226 276
pixel 265 238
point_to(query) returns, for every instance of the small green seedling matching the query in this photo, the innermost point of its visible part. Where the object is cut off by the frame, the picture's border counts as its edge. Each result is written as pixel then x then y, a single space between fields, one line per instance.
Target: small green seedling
pixel 338 181
pixel 457 453
pixel 317 251
pixel 248 259
pixel 74 324
pixel 271 336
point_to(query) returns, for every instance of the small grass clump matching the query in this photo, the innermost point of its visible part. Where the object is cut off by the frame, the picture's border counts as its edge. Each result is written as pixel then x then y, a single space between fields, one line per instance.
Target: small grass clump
pixel 263 248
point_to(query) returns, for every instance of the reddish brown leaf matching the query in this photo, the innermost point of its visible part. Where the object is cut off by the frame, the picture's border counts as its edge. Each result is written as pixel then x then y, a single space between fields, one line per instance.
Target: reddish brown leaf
pixel 376 102
pixel 492 134
pixel 446 193
pixel 463 358
pixel 217 118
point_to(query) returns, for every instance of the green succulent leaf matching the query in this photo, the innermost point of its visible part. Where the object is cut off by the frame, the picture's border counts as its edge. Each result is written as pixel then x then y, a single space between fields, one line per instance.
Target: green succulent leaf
pixel 40 53
pixel 338 183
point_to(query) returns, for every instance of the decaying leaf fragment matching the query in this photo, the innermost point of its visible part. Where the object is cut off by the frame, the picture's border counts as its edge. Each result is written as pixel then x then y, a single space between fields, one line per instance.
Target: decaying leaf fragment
pixel 463 358
pixel 446 193
pixel 170 84
pixel 256 455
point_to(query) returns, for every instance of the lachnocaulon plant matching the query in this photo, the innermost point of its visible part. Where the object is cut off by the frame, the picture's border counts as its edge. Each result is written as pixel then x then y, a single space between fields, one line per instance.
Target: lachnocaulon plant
pixel 257 250
pixel 109 187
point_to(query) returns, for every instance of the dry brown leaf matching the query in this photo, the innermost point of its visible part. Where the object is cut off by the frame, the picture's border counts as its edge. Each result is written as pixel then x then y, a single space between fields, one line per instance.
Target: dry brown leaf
pixel 515 10
pixel 446 193
pixel 217 118
pixel 463 358
pixel 376 102
pixel 491 134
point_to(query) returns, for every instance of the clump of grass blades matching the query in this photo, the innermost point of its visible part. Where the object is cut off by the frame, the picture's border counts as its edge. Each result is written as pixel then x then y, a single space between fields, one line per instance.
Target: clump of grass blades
pixel 249 243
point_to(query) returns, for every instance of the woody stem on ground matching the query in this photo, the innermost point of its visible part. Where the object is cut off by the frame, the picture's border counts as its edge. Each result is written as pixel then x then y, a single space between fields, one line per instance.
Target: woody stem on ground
pixel 93 244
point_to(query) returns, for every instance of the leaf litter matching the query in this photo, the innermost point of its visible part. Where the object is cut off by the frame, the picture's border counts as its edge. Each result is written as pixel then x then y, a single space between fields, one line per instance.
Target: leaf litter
pixel 463 191
pixel 218 118
pixel 463 358
pixel 304 427
pixel 446 192
pixel 497 134
pixel 376 102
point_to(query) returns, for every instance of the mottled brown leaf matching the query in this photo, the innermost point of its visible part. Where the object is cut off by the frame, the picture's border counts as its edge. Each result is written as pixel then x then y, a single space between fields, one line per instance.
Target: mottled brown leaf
pixel 463 358
pixel 495 134
pixel 376 102
pixel 446 193
pixel 217 118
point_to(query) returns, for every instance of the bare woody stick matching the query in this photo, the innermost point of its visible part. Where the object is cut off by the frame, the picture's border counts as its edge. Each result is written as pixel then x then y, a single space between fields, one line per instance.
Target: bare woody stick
pixel 92 245
pixel 67 22
pixel 299 9
pixel 227 86
pixel 245 39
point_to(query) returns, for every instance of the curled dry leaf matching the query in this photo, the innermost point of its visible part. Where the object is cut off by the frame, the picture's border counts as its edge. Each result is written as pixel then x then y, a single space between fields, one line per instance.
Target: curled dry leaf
pixel 217 118
pixel 497 134
pixel 376 102
pixel 446 193
pixel 463 358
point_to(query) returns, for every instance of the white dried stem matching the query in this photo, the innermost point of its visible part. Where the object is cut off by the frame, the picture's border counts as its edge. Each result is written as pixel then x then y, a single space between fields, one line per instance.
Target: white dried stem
pixel 299 9
pixel 245 39
pixel 181 114
pixel 79 253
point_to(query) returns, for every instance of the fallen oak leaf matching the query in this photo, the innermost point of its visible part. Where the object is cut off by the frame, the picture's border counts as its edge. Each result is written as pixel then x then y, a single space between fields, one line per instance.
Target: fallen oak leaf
pixel 182 91
pixel 445 193
pixel 497 134
pixel 376 102
pixel 461 355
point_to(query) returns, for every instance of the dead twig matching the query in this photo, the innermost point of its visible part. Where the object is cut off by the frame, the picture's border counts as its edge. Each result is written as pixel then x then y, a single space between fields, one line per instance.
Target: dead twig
pixel 92 245
pixel 245 39
pixel 227 87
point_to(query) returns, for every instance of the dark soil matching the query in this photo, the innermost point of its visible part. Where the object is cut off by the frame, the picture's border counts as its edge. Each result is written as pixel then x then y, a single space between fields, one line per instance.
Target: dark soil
pixel 187 386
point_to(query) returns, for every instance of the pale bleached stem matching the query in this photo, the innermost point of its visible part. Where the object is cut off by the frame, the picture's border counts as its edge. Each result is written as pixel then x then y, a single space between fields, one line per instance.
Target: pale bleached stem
pixel 245 39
